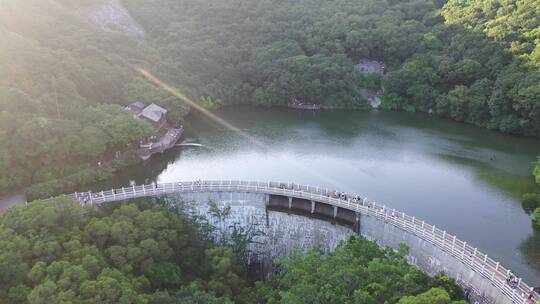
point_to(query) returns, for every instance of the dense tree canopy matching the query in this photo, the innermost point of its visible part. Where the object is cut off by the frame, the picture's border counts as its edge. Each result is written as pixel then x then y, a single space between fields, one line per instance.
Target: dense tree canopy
pixel 472 61
pixel 62 82
pixel 142 252
pixel 357 272
pixel 58 252
pixel 531 201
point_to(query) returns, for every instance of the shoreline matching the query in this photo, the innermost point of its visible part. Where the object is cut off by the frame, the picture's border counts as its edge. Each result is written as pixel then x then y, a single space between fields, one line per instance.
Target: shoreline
pixel 23 196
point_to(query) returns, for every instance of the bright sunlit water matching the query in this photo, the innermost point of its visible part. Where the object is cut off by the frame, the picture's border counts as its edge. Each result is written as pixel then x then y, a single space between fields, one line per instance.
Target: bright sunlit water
pixel 461 178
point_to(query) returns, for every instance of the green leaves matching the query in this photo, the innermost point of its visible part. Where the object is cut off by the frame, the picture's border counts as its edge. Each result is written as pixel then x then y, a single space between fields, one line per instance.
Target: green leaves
pixel 356 272
pixel 432 296
pixel 164 275
pixel 52 253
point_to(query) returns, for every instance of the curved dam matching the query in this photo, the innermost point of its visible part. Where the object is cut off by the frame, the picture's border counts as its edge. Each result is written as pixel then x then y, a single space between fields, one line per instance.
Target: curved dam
pixel 431 249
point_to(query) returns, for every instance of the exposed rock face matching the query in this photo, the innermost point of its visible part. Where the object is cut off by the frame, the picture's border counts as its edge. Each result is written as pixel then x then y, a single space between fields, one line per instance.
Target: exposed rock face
pixel 372 67
pixel 112 16
pixel 374 101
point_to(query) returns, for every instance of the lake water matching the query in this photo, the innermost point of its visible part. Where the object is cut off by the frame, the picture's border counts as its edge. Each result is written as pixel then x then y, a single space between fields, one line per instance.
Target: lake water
pixel 461 178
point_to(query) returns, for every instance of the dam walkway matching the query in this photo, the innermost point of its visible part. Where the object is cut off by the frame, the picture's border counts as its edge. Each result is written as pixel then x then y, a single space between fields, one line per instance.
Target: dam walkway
pixel 431 248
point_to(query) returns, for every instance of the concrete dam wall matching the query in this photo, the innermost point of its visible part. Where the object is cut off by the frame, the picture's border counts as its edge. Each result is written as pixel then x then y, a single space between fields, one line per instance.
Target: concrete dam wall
pixel 432 260
pixel 422 253
pixel 288 223
pixel 295 215
pixel 281 232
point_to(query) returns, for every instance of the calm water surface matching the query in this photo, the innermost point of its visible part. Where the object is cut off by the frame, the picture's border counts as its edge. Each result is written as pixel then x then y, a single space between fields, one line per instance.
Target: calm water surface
pixel 461 178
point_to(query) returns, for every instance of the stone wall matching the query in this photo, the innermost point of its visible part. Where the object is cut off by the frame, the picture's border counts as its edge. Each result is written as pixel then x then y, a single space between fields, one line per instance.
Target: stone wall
pixel 432 260
pixel 284 231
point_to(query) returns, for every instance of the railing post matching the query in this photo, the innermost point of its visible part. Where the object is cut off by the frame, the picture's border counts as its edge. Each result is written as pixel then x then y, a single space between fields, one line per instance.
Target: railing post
pixel 443 238
pixel 463 251
pixel 525 300
pixel 496 270
pixel 484 264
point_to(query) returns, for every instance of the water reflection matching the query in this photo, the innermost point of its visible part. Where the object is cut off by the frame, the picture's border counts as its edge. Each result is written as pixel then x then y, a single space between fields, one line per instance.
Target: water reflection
pixel 531 249
pixel 508 182
pixel 435 169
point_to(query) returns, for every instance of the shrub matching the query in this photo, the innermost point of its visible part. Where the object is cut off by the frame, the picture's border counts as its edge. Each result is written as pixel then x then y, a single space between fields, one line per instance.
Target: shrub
pixel 530 201
pixel 391 102
pixel 536 217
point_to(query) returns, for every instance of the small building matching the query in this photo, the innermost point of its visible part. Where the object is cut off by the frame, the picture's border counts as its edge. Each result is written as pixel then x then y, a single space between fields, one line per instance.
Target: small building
pixel 155 114
pixel 372 67
pixel 136 108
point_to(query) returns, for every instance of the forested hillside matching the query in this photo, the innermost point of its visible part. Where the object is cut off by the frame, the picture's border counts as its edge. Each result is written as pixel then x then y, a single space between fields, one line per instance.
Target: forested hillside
pixel 62 76
pixel 59 252
pixel 141 252
pixel 473 61
pixel 61 83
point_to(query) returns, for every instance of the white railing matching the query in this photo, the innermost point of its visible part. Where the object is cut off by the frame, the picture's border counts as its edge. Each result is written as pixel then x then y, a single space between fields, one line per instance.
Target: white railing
pixel 467 254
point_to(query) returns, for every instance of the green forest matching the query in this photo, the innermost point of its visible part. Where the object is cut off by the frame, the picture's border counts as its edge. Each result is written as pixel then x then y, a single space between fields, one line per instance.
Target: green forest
pixel 472 61
pixel 63 85
pixel 143 252
pixel 64 80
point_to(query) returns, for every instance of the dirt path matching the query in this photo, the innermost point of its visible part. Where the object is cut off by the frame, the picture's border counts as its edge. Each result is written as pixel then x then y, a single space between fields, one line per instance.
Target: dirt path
pixel 11 199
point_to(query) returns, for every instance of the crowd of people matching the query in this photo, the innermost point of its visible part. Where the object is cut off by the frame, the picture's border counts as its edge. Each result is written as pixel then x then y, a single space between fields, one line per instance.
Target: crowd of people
pixel 332 194
pixel 533 297
pixel 84 197
pixel 512 279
